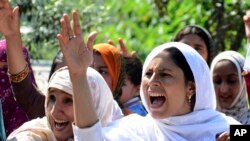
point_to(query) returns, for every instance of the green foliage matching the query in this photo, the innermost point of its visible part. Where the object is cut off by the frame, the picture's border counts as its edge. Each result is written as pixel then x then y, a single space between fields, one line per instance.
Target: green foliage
pixel 143 24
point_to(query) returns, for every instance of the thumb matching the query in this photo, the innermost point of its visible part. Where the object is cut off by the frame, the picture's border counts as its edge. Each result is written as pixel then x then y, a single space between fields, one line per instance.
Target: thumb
pixel 15 15
pixel 91 39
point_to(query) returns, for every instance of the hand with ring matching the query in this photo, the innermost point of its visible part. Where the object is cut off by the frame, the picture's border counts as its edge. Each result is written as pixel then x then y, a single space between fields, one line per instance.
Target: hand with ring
pixel 77 53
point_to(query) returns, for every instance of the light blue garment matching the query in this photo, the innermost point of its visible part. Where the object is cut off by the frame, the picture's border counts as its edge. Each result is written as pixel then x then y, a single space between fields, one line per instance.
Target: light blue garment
pixel 135 105
pixel 2 129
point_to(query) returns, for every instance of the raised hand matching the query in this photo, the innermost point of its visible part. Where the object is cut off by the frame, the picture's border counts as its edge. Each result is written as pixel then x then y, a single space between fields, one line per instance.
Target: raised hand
pixel 124 49
pixel 246 19
pixel 9 21
pixel 77 54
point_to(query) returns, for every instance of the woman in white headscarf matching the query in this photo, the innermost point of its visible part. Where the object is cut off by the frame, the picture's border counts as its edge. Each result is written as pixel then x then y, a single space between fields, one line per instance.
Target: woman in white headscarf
pixel 59 119
pixel 230 88
pixel 178 93
pixel 71 91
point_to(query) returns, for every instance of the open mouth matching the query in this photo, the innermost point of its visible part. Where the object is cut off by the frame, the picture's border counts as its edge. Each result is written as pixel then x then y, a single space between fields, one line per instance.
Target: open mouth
pixel 59 124
pixel 225 98
pixel 157 100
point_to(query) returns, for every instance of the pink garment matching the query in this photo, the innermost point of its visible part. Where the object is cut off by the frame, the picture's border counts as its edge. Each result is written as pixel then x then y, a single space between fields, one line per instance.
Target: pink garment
pixel 13 115
pixel 247 80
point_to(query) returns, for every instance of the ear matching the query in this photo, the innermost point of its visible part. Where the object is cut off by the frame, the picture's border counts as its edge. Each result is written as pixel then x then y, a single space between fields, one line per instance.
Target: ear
pixel 190 88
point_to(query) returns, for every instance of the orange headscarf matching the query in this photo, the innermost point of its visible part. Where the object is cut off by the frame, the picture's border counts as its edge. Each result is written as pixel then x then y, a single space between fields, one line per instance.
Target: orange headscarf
pixel 113 59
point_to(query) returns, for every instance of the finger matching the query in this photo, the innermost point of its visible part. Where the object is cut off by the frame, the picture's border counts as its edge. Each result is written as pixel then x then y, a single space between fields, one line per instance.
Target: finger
pixel 123 47
pixel 91 40
pixel 111 43
pixel 16 16
pixel 133 54
pixel 76 24
pixel 6 4
pixel 61 42
pixel 63 32
pixel 68 27
pixel 63 28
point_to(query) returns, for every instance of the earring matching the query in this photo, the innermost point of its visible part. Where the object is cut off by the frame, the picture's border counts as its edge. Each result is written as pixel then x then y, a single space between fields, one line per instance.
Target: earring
pixel 189 98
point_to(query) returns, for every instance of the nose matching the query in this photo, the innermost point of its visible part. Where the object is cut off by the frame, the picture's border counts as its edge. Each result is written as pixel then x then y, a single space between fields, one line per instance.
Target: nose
pixel 153 80
pixel 56 108
pixel 224 87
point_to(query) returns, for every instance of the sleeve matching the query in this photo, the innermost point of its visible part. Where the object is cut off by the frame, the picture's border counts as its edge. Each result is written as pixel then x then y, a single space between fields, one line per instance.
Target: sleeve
pixel 29 97
pixel 93 133
pixel 25 136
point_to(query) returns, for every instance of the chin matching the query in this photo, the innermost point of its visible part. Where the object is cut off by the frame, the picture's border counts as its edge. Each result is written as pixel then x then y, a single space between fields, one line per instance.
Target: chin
pixel 156 115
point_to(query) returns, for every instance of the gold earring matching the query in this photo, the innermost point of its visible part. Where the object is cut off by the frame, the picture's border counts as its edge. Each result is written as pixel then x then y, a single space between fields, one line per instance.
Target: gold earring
pixel 189 98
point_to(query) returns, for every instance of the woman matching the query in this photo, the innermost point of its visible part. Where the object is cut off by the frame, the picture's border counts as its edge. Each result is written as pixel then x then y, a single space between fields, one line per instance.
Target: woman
pixel 57 125
pixel 198 38
pixel 177 91
pixel 109 63
pixel 13 114
pixel 230 87
pixel 26 94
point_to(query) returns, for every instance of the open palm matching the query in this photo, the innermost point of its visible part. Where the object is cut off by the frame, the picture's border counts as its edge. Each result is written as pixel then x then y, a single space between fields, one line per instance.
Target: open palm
pixel 78 54
pixel 9 21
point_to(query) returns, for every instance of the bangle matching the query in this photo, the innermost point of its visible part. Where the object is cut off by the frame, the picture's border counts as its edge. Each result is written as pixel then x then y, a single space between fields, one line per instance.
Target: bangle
pixel 21 75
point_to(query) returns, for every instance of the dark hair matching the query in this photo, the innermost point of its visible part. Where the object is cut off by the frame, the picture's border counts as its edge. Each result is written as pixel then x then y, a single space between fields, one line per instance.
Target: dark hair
pixel 120 83
pixel 202 33
pixel 181 62
pixel 133 70
pixel 57 59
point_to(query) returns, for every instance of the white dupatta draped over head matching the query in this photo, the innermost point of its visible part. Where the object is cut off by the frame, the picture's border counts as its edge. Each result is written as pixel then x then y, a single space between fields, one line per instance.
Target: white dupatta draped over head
pixel 239 107
pixel 102 100
pixel 204 122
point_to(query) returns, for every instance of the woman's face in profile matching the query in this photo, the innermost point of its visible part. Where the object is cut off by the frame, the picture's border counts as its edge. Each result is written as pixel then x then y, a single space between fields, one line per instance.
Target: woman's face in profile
pixel 100 66
pixel 197 43
pixel 226 83
pixel 164 88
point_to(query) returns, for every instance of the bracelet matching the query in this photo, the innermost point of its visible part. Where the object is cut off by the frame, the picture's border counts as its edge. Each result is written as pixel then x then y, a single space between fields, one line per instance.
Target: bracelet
pixel 21 75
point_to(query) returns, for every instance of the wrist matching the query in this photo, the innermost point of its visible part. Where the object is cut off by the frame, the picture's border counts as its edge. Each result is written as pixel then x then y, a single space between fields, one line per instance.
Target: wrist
pixel 13 37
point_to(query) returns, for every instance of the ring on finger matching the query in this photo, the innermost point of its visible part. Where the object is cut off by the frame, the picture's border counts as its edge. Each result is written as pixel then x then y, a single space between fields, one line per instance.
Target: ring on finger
pixel 71 37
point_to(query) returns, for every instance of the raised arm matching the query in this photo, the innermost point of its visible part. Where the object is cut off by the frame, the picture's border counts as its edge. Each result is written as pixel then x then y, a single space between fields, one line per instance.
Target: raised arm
pixel 123 48
pixel 246 19
pixel 26 93
pixel 10 28
pixel 78 56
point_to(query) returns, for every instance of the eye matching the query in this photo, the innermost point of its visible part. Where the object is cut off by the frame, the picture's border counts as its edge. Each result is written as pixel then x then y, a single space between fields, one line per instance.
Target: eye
pixel 231 81
pixel 103 72
pixel 52 98
pixel 164 74
pixel 148 74
pixel 68 101
pixel 217 81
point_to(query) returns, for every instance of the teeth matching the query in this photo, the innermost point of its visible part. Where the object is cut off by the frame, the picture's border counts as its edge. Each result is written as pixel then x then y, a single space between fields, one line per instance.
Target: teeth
pixel 60 121
pixel 155 95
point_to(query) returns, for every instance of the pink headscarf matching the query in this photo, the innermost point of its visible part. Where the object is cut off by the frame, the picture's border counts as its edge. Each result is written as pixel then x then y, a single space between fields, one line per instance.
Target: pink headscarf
pixel 13 115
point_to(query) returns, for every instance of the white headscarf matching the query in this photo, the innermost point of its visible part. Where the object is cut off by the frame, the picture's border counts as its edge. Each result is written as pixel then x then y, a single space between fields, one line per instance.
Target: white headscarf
pixel 204 122
pixel 239 107
pixel 101 95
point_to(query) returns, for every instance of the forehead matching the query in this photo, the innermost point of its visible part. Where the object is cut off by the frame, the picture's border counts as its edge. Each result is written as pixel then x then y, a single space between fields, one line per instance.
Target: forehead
pixel 56 91
pixel 225 66
pixel 98 60
pixel 162 61
pixel 192 38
